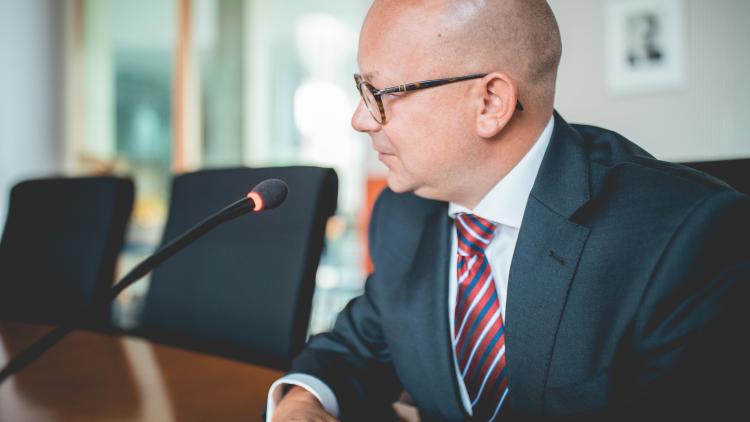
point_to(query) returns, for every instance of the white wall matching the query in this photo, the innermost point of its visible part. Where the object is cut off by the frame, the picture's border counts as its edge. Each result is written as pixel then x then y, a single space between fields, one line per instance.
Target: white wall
pixel 30 87
pixel 708 120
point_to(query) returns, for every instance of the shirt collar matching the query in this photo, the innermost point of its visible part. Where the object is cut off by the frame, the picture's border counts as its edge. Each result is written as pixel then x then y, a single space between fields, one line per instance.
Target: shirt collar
pixel 506 202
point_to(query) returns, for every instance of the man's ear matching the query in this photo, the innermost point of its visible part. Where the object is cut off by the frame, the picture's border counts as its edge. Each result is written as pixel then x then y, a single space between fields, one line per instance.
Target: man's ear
pixel 497 97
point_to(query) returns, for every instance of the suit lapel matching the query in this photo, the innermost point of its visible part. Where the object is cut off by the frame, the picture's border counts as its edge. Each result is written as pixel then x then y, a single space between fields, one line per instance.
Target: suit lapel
pixel 427 297
pixel 544 262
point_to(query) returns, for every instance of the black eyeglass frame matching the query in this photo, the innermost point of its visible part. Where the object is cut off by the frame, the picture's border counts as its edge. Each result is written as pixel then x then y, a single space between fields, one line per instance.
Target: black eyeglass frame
pixel 414 86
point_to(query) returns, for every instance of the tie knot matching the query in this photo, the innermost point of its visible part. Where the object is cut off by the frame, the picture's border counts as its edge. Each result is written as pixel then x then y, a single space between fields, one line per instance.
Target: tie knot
pixel 474 233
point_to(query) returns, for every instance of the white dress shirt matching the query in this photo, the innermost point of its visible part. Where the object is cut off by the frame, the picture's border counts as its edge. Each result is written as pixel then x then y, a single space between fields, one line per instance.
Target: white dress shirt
pixel 504 205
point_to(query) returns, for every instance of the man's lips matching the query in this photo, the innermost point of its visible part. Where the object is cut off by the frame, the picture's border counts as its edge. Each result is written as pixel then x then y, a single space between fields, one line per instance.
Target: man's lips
pixel 383 157
pixel 382 151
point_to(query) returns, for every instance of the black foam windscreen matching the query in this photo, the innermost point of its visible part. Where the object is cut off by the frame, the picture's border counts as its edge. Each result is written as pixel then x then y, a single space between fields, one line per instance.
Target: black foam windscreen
pixel 272 192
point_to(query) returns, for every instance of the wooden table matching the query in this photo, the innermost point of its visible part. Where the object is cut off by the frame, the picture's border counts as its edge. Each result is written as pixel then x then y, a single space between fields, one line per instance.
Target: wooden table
pixel 91 376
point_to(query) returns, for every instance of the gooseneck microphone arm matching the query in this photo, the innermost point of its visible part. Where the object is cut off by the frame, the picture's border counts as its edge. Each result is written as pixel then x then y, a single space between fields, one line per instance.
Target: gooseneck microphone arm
pixel 266 195
pixel 234 210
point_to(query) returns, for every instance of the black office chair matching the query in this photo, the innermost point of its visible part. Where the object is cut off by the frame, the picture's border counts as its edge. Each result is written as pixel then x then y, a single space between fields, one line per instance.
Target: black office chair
pixel 735 173
pixel 59 249
pixel 245 289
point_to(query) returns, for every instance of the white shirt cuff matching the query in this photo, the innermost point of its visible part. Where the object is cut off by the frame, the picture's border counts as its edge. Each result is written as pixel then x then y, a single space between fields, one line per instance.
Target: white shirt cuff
pixel 316 387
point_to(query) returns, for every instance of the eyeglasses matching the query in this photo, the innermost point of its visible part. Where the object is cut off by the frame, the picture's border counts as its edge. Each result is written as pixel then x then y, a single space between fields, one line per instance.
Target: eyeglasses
pixel 373 98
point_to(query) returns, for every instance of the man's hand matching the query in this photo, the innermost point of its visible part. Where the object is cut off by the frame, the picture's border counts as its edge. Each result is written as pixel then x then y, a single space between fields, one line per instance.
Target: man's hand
pixel 299 405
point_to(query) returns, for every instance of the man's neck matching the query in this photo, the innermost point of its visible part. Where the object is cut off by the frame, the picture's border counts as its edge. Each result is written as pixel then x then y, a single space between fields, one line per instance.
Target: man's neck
pixel 501 159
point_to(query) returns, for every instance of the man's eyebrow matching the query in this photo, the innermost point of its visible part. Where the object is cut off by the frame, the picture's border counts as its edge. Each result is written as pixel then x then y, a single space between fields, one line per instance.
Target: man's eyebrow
pixel 369 75
pixel 377 79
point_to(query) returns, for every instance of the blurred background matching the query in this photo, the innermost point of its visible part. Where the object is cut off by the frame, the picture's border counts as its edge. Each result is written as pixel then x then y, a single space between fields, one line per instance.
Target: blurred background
pixel 152 88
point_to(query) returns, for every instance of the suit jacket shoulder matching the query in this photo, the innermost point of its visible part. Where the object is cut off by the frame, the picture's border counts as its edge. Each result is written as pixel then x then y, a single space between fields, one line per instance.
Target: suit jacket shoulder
pixel 617 164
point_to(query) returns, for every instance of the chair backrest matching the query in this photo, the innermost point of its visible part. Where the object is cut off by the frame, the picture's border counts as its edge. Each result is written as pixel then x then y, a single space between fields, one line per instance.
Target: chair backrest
pixel 245 289
pixel 59 249
pixel 735 173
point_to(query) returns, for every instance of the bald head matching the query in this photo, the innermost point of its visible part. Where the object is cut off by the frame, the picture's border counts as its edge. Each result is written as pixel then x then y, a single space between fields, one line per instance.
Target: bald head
pixel 518 37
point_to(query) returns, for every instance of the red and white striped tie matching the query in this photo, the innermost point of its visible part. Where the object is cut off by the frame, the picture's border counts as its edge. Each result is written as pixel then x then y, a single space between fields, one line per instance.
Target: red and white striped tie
pixel 478 328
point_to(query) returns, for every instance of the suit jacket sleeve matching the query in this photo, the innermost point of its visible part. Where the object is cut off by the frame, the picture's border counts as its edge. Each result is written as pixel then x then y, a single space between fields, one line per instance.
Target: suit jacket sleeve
pixel 353 358
pixel 689 355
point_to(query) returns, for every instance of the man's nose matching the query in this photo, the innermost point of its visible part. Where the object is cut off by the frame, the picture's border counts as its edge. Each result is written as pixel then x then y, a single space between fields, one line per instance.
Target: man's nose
pixel 362 121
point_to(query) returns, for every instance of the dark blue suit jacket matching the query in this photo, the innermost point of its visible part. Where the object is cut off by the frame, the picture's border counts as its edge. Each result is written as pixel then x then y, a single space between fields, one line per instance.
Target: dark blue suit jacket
pixel 625 295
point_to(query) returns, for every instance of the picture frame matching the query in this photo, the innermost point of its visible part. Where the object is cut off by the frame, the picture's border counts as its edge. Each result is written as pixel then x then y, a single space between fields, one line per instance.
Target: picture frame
pixel 645 42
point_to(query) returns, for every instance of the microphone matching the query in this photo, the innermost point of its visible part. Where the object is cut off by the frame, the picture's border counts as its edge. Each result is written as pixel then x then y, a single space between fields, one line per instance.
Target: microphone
pixel 266 195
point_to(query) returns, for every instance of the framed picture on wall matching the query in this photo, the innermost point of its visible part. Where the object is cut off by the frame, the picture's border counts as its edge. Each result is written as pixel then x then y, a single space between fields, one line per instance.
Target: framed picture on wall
pixel 645 46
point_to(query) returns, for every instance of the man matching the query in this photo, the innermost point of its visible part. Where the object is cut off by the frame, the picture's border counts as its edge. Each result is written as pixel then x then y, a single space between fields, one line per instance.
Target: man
pixel 524 267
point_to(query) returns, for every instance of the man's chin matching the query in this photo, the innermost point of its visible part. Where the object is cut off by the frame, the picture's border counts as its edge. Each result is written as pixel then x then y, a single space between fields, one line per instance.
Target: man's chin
pixel 398 185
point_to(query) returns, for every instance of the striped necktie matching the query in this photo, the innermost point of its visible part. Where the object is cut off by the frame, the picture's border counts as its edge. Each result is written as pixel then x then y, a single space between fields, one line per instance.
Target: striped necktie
pixel 479 331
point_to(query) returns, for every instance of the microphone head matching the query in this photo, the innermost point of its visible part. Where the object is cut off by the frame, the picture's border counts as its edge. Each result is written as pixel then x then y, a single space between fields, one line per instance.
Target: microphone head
pixel 268 194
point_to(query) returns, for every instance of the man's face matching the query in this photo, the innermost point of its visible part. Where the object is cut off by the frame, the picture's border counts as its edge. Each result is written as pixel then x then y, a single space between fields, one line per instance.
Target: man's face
pixel 424 142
